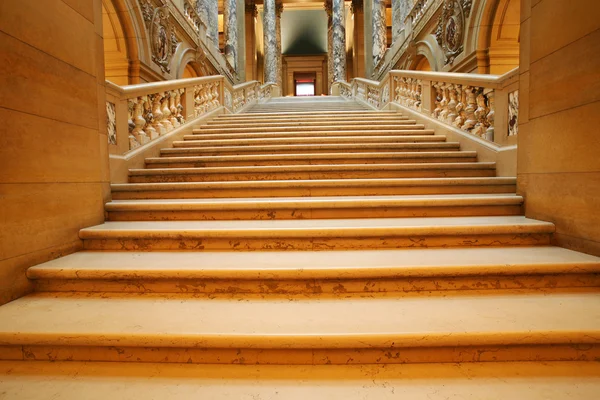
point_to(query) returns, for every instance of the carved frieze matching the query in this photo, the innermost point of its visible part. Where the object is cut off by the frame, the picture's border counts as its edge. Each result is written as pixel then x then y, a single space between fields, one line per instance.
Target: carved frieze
pixel 147 11
pixel 450 32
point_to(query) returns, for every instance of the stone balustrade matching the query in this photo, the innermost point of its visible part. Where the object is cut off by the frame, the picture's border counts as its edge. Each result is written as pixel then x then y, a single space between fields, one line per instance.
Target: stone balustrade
pixel 189 10
pixel 138 114
pixel 485 106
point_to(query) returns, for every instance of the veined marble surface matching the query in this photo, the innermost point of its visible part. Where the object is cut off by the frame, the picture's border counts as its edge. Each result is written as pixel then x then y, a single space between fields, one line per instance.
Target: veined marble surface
pixel 339 41
pixel 379 30
pixel 231 35
pixel 270 40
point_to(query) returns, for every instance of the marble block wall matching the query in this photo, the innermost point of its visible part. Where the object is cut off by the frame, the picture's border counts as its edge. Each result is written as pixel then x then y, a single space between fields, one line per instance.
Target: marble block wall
pixel 53 142
pixel 559 115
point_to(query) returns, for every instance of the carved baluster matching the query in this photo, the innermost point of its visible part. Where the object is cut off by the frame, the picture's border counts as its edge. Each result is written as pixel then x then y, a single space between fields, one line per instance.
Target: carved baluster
pixel 179 106
pixel 157 113
pixel 418 96
pixel 452 114
pixel 470 120
pixel 166 112
pixel 444 103
pixel 438 99
pixel 489 133
pixel 151 132
pixel 481 116
pixel 173 108
pixel 460 107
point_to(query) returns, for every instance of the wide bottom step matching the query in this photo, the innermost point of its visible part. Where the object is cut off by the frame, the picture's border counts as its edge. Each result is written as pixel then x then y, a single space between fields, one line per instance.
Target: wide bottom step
pixel 473 381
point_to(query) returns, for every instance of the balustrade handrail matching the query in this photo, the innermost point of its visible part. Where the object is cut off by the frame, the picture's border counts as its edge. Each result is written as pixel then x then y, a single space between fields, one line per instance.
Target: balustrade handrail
pixel 142 89
pixel 489 81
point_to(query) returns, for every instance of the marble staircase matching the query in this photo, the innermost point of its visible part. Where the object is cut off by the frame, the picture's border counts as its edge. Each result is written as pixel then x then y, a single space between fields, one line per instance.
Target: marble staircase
pixel 333 252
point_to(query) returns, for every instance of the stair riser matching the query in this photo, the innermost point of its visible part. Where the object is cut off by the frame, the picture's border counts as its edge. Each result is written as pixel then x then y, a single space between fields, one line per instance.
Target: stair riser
pixel 234 243
pixel 414 286
pixel 186 150
pixel 310 191
pixel 311 124
pixel 314 213
pixel 284 138
pixel 313 175
pixel 254 356
pixel 325 161
pixel 243 122
pixel 259 129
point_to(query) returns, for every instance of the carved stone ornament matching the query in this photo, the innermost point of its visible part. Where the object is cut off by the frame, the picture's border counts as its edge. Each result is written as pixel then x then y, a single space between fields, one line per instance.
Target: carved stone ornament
pixel 162 34
pixel 450 32
pixel 147 11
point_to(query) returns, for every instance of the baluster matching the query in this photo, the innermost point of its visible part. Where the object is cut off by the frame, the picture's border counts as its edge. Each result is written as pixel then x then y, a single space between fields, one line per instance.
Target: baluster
pixel 470 120
pixel 152 133
pixel 444 103
pixel 480 115
pixel 138 121
pixel 157 113
pixel 460 107
pixel 419 89
pixel 166 112
pixel 452 114
pixel 438 99
pixel 179 106
pixel 489 133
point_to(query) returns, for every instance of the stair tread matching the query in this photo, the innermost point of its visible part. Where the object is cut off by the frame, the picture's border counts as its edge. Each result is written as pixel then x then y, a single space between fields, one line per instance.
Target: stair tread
pixel 317 201
pixel 228 321
pixel 243 157
pixel 317 167
pixel 198 145
pixel 347 264
pixel 318 183
pixel 318 228
pixel 468 381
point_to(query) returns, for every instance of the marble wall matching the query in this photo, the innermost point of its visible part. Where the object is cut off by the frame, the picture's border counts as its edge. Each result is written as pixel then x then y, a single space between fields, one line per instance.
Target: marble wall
pixel 53 142
pixel 270 42
pixel 559 115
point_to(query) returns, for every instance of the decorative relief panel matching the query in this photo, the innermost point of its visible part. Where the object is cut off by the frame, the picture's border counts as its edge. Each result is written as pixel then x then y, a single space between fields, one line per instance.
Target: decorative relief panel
pixel 513 113
pixel 450 33
pixel 164 41
pixel 111 123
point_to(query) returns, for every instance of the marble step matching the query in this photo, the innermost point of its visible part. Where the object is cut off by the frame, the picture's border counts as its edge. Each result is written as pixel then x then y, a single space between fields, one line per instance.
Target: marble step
pixel 303 122
pixel 314 207
pixel 317 234
pixel 415 271
pixel 305 119
pixel 296 109
pixel 307 172
pixel 320 329
pixel 187 147
pixel 320 113
pixel 321 128
pixel 468 381
pixel 183 161
pixel 309 188
pixel 351 136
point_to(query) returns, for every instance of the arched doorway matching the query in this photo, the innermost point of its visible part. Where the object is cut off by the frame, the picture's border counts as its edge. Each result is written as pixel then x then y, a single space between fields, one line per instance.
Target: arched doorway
pixel 499 33
pixel 120 47
pixel 422 64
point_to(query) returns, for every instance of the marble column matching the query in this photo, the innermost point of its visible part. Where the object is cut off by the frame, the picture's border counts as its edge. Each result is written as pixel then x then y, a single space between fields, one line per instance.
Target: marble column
pixel 379 31
pixel 230 26
pixel 208 10
pixel 400 9
pixel 329 9
pixel 278 12
pixel 270 42
pixel 339 40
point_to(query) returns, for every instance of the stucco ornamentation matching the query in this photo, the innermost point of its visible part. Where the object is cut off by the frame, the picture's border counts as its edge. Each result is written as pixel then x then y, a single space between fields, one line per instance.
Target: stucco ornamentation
pixel 450 32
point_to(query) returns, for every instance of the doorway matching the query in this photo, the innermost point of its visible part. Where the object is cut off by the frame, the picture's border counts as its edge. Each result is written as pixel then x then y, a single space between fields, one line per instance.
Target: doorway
pixel 304 83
